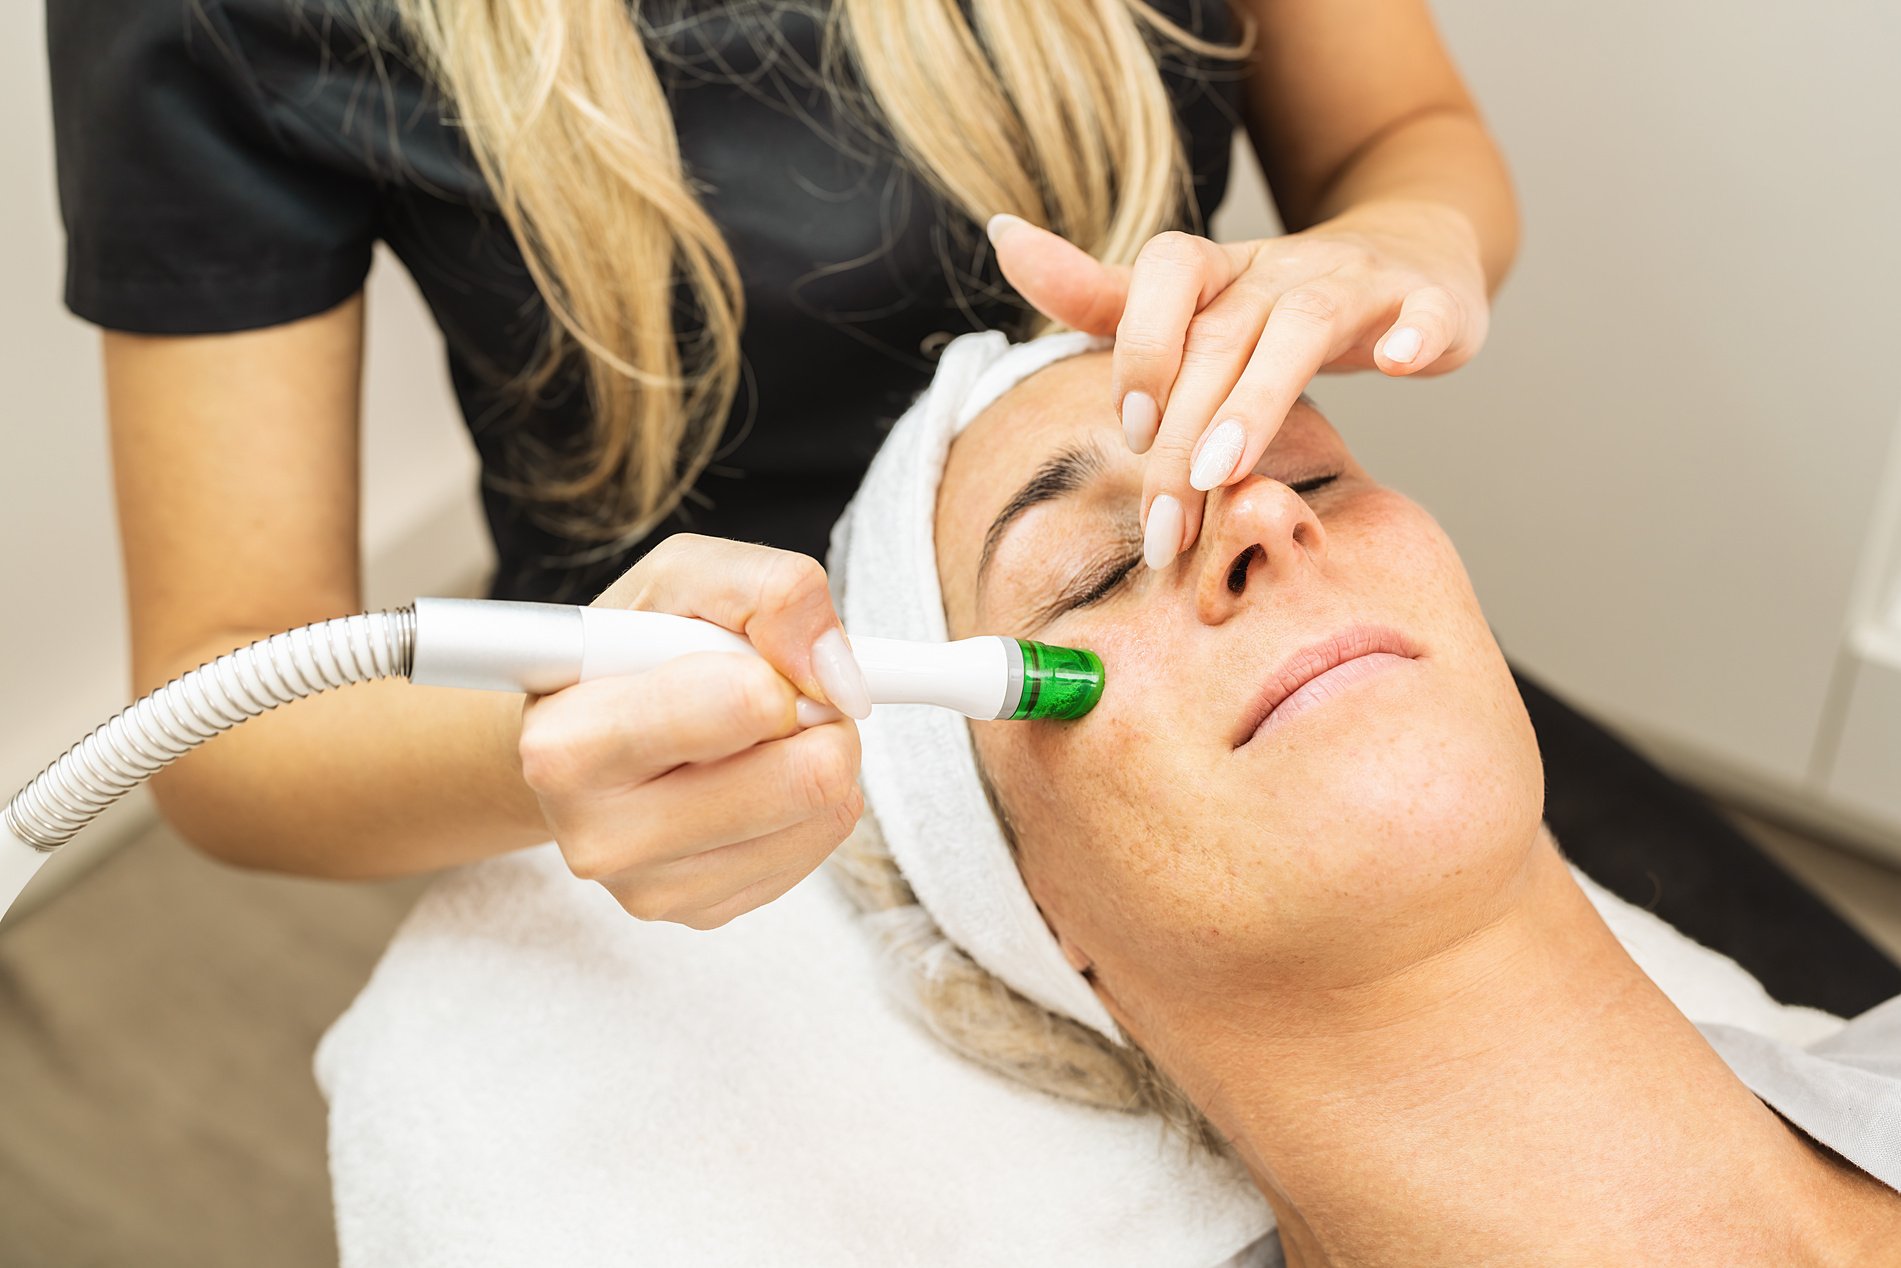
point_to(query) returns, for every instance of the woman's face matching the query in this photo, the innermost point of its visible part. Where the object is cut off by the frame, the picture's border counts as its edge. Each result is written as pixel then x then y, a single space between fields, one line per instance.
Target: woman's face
pixel 1171 845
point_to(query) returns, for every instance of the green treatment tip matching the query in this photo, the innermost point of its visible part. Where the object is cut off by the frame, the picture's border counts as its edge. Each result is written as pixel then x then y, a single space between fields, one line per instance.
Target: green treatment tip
pixel 1058 682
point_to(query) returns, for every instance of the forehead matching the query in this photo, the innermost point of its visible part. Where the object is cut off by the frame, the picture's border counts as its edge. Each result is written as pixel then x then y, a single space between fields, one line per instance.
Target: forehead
pixel 1060 404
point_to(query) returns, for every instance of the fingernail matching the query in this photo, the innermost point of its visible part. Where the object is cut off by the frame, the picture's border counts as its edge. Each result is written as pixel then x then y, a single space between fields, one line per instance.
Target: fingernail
pixel 1403 345
pixel 1164 536
pixel 1220 452
pixel 839 674
pixel 1140 419
pixel 1000 224
pixel 812 713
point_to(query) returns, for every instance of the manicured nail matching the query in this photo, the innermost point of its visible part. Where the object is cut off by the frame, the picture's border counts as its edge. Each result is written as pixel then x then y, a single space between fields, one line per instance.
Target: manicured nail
pixel 839 674
pixel 1000 224
pixel 1163 540
pixel 1403 345
pixel 812 713
pixel 1220 453
pixel 1140 419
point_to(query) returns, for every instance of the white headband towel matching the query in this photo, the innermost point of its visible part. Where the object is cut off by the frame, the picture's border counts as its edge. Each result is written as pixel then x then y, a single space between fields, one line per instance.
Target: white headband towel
pixel 919 770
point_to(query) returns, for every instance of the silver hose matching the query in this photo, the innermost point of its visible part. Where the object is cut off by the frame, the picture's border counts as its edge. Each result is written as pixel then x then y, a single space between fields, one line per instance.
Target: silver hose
pixel 142 740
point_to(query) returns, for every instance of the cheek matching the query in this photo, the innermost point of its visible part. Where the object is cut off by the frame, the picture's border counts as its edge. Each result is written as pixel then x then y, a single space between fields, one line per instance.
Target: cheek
pixel 1404 565
pixel 1397 551
pixel 1451 787
pixel 1095 812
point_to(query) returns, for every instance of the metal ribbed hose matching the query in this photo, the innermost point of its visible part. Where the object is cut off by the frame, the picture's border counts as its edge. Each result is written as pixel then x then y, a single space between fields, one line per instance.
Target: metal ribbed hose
pixel 142 740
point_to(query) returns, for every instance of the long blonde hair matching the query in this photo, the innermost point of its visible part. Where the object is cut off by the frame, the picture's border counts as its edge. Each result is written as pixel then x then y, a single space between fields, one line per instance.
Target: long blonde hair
pixel 974 1014
pixel 1061 117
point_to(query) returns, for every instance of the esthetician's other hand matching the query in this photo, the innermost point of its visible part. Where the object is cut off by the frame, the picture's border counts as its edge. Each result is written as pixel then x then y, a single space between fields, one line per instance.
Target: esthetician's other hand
pixel 707 787
pixel 1216 341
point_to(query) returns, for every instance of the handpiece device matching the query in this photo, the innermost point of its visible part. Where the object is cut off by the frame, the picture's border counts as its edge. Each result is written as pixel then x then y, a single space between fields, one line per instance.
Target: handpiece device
pixel 493 645
pixel 541 647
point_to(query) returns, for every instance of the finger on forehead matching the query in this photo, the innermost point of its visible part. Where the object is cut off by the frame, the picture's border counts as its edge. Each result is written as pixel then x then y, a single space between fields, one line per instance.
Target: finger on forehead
pixel 1176 276
pixel 1291 351
pixel 1217 349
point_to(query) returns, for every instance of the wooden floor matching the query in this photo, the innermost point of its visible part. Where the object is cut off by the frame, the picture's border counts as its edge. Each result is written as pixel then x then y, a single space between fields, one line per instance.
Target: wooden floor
pixel 156 1031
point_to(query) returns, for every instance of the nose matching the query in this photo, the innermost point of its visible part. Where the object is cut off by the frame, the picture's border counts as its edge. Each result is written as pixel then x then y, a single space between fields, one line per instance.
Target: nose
pixel 1259 533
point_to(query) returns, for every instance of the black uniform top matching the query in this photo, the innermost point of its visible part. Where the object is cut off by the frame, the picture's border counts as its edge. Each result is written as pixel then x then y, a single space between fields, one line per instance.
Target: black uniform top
pixel 228 164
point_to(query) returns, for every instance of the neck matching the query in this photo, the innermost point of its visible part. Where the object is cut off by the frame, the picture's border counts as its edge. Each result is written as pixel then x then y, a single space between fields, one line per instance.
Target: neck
pixel 1525 1095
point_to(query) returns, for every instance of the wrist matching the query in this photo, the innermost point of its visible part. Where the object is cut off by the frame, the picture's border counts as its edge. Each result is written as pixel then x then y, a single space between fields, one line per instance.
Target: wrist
pixel 515 803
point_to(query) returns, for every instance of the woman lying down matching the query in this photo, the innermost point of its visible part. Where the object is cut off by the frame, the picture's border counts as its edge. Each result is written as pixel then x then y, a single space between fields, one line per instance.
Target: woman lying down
pixel 1268 955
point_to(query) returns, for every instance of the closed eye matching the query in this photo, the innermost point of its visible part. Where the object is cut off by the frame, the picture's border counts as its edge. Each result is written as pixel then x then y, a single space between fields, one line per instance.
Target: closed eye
pixel 1099 586
pixel 1106 581
pixel 1313 483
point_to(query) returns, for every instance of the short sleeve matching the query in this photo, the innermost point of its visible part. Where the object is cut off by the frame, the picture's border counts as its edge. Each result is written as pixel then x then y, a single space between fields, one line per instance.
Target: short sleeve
pixel 185 211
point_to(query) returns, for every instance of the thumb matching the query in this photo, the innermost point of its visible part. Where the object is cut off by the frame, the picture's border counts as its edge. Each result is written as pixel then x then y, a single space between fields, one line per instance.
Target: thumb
pixel 1059 278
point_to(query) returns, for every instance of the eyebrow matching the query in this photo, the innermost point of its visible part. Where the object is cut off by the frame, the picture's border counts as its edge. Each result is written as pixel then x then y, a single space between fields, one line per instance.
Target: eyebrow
pixel 1062 474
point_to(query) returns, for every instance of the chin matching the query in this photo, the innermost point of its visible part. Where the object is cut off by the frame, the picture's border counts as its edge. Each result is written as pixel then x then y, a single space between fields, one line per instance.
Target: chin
pixel 1389 826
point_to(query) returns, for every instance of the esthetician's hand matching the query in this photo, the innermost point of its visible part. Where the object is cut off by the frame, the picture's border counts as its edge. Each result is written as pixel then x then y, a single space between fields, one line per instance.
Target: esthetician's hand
pixel 1216 341
pixel 707 787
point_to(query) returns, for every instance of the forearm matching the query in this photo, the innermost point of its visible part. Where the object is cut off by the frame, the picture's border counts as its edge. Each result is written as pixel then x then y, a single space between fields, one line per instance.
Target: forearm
pixel 1441 155
pixel 380 779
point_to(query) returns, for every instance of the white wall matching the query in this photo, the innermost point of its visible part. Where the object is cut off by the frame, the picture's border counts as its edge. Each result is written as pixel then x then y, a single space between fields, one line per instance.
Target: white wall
pixel 63 661
pixel 1663 469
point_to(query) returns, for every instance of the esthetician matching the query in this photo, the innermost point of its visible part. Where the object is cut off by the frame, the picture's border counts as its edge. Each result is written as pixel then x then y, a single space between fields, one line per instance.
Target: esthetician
pixel 684 256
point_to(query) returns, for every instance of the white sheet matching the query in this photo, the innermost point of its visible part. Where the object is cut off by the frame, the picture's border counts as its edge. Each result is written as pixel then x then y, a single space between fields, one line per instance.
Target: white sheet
pixel 533 1077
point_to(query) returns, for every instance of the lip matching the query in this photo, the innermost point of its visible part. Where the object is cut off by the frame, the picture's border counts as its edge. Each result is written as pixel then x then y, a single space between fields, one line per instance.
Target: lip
pixel 1301 668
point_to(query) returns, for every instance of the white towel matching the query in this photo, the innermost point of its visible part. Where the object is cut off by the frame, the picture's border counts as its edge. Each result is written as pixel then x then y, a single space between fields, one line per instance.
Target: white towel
pixel 920 771
pixel 533 1077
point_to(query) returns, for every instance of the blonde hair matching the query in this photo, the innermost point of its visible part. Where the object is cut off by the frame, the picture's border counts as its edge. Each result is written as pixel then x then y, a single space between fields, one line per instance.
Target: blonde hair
pixel 1061 118
pixel 974 1014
